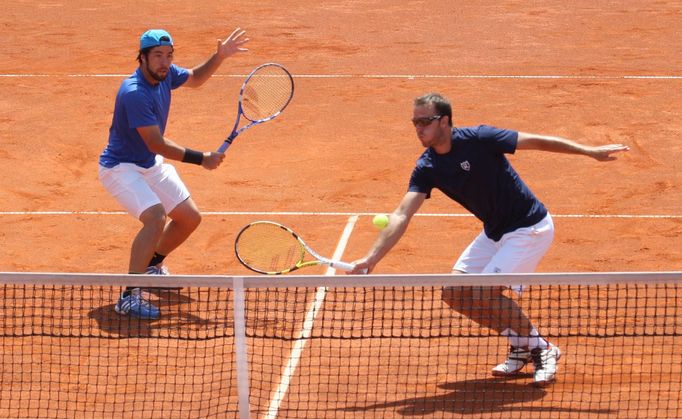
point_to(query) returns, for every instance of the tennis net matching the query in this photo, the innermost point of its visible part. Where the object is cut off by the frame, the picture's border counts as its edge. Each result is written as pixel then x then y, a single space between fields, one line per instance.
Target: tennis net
pixel 334 346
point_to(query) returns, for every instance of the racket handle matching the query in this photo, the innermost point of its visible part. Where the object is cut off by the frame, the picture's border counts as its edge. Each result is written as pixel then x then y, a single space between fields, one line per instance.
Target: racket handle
pixel 342 265
pixel 224 146
pixel 228 141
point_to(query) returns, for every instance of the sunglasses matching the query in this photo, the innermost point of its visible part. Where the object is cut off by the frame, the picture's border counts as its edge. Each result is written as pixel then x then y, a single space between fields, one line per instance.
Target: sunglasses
pixel 425 121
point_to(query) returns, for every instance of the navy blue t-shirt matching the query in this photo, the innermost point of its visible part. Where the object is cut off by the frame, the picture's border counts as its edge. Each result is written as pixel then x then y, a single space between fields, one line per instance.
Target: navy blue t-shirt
pixel 139 104
pixel 476 174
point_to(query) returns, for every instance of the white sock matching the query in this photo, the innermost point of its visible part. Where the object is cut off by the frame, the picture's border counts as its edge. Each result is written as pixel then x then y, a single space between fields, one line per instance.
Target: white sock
pixel 531 342
pixel 536 341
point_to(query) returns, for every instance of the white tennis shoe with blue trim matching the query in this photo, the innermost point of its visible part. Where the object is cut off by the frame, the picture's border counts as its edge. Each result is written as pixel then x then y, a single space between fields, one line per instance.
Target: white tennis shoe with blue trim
pixel 157 270
pixel 132 303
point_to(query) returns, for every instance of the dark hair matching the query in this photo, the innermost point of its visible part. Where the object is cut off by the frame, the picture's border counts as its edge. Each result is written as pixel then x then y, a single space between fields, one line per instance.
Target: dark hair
pixel 440 103
pixel 144 52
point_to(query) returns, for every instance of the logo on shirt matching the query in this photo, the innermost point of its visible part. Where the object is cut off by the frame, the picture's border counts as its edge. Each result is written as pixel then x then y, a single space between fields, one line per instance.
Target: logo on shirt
pixel 465 165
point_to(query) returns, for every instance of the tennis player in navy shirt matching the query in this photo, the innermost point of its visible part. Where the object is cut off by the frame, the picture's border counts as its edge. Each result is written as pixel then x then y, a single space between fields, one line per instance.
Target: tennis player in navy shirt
pixel 132 166
pixel 469 166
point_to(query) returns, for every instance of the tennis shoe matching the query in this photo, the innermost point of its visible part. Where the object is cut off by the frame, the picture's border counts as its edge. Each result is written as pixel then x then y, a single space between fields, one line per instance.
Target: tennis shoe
pixel 157 270
pixel 545 361
pixel 517 358
pixel 132 303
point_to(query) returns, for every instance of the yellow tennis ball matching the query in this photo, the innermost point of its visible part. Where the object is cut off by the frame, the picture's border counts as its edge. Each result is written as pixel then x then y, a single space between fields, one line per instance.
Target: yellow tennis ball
pixel 380 221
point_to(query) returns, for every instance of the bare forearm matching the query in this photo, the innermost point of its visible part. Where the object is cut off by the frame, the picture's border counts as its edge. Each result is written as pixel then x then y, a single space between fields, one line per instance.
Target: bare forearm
pixel 562 145
pixel 553 144
pixel 387 239
pixel 203 72
pixel 168 149
pixel 158 144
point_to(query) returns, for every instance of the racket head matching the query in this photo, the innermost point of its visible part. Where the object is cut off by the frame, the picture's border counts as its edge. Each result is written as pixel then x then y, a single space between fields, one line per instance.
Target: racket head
pixel 266 92
pixel 269 248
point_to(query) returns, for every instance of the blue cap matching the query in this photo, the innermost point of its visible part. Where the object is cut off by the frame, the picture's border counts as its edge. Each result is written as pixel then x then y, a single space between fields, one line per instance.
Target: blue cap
pixel 155 38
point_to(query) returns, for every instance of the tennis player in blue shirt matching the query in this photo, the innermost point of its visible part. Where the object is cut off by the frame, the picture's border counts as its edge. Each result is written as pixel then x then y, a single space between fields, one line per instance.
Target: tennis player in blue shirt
pixel 132 167
pixel 468 165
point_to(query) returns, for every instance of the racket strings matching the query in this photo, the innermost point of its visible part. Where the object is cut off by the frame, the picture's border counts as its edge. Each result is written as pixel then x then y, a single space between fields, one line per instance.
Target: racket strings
pixel 269 248
pixel 267 93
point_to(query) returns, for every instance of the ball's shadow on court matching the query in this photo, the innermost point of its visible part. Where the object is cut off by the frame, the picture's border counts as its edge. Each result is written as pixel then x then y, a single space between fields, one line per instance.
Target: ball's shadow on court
pixel 477 397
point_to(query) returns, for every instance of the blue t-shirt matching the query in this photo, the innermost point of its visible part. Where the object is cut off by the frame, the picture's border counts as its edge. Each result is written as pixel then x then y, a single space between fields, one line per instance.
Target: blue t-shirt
pixel 476 174
pixel 139 104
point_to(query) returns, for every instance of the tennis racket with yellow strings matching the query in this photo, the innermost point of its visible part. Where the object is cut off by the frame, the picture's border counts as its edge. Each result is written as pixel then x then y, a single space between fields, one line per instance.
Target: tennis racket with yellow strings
pixel 270 248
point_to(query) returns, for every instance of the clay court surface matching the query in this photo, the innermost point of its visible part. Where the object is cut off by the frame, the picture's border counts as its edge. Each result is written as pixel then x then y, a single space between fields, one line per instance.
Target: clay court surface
pixel 594 71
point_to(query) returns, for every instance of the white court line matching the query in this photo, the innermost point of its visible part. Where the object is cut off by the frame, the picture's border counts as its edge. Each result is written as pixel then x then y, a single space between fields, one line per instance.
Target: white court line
pixel 329 214
pixel 306 331
pixel 395 76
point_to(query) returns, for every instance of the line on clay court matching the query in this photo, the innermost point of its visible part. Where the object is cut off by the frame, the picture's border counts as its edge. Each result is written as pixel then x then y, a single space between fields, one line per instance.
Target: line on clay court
pixel 394 76
pixel 306 330
pixel 326 214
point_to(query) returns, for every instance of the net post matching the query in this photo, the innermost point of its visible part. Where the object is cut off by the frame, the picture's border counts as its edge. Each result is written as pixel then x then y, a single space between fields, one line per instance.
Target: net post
pixel 241 356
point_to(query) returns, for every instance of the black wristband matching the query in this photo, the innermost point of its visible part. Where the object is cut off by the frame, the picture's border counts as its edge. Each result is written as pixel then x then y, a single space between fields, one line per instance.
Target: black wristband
pixel 193 156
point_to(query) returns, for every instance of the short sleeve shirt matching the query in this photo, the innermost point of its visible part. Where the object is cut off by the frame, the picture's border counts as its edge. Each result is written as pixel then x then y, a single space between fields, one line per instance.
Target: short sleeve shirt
pixel 476 174
pixel 139 104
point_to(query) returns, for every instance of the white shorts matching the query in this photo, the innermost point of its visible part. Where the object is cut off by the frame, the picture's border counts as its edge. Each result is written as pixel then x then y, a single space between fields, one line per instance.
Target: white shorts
pixel 519 251
pixel 137 188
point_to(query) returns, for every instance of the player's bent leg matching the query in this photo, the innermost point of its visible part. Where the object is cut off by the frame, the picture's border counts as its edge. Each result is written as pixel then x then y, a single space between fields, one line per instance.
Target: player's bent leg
pixel 153 222
pixel 488 306
pixel 185 218
pixel 521 251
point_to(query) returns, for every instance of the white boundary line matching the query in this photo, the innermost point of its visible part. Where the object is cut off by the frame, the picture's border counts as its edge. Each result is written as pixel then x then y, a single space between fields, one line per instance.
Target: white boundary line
pixel 328 214
pixel 306 331
pixel 393 76
pixel 241 348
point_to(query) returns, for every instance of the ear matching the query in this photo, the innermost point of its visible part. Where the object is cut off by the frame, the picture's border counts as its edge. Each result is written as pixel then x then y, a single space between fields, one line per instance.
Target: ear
pixel 448 121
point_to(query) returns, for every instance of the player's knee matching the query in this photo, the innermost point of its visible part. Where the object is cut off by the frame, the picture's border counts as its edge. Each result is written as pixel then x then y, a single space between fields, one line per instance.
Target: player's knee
pixel 192 219
pixel 154 217
pixel 196 219
pixel 187 215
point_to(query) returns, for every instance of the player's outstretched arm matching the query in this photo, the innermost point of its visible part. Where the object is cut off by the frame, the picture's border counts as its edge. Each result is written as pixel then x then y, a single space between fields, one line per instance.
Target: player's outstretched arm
pixel 389 236
pixel 529 141
pixel 226 48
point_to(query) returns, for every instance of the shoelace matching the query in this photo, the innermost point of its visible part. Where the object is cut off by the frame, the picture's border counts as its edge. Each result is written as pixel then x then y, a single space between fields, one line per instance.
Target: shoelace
pixel 153 270
pixel 538 359
pixel 518 353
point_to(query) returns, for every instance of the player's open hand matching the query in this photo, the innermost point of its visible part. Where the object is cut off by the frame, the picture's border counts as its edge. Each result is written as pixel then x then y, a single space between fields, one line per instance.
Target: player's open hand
pixel 233 44
pixel 604 152
pixel 212 160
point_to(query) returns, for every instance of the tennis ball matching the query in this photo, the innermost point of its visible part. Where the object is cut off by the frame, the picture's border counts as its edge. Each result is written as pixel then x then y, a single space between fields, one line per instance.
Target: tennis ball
pixel 380 221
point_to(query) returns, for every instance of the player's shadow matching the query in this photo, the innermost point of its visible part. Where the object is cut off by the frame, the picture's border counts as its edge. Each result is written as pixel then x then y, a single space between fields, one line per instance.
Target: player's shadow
pixel 174 322
pixel 475 397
